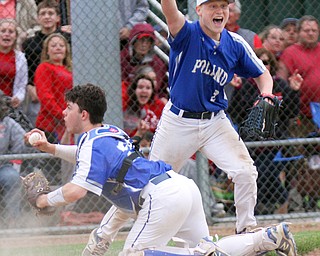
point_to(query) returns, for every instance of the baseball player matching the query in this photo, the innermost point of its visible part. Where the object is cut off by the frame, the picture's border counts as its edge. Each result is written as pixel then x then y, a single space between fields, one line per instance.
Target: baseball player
pixel 204 57
pixel 165 203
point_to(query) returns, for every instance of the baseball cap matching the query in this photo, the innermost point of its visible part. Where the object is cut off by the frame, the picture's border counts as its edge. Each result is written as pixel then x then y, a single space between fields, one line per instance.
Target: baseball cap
pixel 199 2
pixel 285 22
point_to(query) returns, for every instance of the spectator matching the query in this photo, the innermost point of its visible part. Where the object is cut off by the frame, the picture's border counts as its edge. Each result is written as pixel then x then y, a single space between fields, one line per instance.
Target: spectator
pixel 143 110
pixel 232 25
pixel 142 70
pixel 49 19
pixel 273 39
pixel 13 64
pixel 25 13
pixel 271 194
pixel 289 31
pixel 11 142
pixel 140 52
pixel 52 79
pixel 308 51
pixel 131 12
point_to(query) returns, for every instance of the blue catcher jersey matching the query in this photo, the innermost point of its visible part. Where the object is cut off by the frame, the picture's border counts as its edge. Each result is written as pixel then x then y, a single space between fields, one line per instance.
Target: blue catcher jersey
pixel 199 69
pixel 100 154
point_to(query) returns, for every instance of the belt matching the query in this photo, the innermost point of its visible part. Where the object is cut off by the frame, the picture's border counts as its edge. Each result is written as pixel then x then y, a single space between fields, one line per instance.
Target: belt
pixel 160 178
pixel 193 115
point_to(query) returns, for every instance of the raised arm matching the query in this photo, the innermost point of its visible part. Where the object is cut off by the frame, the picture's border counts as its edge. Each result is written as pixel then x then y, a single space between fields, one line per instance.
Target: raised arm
pixel 175 19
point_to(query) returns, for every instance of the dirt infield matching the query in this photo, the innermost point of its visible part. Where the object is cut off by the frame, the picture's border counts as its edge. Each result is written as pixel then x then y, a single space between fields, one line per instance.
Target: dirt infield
pixel 220 229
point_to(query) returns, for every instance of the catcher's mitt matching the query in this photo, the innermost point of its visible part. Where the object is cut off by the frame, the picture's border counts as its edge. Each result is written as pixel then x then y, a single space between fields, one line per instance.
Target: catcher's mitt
pixel 262 118
pixel 35 185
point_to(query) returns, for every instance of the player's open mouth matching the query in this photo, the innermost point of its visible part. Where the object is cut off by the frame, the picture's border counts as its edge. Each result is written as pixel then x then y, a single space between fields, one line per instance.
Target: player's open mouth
pixel 218 20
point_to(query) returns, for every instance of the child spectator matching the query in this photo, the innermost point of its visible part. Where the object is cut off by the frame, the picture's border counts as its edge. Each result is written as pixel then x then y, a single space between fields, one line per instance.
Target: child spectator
pixel 143 110
pixel 13 64
pixel 49 20
pixel 52 79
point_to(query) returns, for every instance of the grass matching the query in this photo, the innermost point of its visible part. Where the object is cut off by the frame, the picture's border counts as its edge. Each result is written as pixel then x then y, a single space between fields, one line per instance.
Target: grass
pixel 306 242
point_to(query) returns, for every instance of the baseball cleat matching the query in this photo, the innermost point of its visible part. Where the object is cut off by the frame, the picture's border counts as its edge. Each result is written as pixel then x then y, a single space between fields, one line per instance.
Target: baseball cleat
pixel 207 247
pixel 283 238
pixel 95 246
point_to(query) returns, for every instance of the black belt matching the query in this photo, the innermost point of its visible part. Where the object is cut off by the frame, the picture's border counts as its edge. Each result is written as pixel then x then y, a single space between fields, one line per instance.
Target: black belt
pixel 160 178
pixel 193 115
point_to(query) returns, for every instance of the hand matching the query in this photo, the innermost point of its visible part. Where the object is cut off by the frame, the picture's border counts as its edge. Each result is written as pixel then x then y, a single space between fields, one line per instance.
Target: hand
pixel 124 33
pixel 42 201
pixel 142 128
pixel 295 81
pixel 41 144
pixel 66 29
pixel 15 102
pixel 32 92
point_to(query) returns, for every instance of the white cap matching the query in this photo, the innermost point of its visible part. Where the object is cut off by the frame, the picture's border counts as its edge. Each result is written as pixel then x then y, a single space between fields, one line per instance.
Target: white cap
pixel 203 1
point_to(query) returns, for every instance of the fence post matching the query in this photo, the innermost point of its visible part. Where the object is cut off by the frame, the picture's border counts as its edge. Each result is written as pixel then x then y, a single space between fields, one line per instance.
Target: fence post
pixel 96 50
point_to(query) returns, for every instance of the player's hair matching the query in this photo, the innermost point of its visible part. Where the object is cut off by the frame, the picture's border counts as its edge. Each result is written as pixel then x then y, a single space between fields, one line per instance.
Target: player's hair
pixel 306 18
pixel 49 4
pixel 133 104
pixel 90 98
pixel 44 54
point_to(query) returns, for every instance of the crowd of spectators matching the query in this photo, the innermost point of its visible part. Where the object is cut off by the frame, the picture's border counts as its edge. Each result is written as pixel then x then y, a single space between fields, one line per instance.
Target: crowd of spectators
pixel 36 70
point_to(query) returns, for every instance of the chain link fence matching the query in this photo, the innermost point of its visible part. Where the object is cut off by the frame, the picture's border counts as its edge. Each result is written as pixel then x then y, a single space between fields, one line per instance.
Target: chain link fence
pixel 288 183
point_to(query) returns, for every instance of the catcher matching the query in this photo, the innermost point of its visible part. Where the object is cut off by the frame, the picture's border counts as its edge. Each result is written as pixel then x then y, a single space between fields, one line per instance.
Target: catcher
pixel 108 164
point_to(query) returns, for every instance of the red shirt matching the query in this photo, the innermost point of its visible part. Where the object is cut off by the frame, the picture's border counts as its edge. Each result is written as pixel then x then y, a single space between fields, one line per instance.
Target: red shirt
pixel 306 61
pixel 7 72
pixel 8 10
pixel 52 82
pixel 150 113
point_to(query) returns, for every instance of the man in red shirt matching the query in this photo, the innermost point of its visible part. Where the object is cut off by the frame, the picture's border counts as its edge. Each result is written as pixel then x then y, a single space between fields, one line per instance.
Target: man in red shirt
pixel 303 57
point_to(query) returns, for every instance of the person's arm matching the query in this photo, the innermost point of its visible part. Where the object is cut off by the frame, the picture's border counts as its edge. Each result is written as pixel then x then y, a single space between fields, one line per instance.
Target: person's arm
pixel 175 19
pixel 265 82
pixel 20 80
pixel 67 194
pixel 65 152
pixel 139 14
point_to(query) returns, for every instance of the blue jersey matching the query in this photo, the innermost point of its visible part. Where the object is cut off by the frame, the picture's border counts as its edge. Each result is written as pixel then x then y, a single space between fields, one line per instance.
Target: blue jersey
pixel 199 69
pixel 100 154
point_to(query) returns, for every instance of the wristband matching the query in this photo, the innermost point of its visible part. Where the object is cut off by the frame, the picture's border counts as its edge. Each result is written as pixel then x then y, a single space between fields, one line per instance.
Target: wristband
pixel 55 198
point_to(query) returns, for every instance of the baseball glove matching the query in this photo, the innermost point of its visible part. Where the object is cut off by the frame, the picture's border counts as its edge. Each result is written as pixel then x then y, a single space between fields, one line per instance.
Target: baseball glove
pixel 35 185
pixel 262 118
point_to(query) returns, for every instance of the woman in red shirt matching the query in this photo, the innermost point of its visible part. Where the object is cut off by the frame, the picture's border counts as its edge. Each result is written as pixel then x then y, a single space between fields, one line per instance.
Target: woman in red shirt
pixel 13 64
pixel 143 111
pixel 52 79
